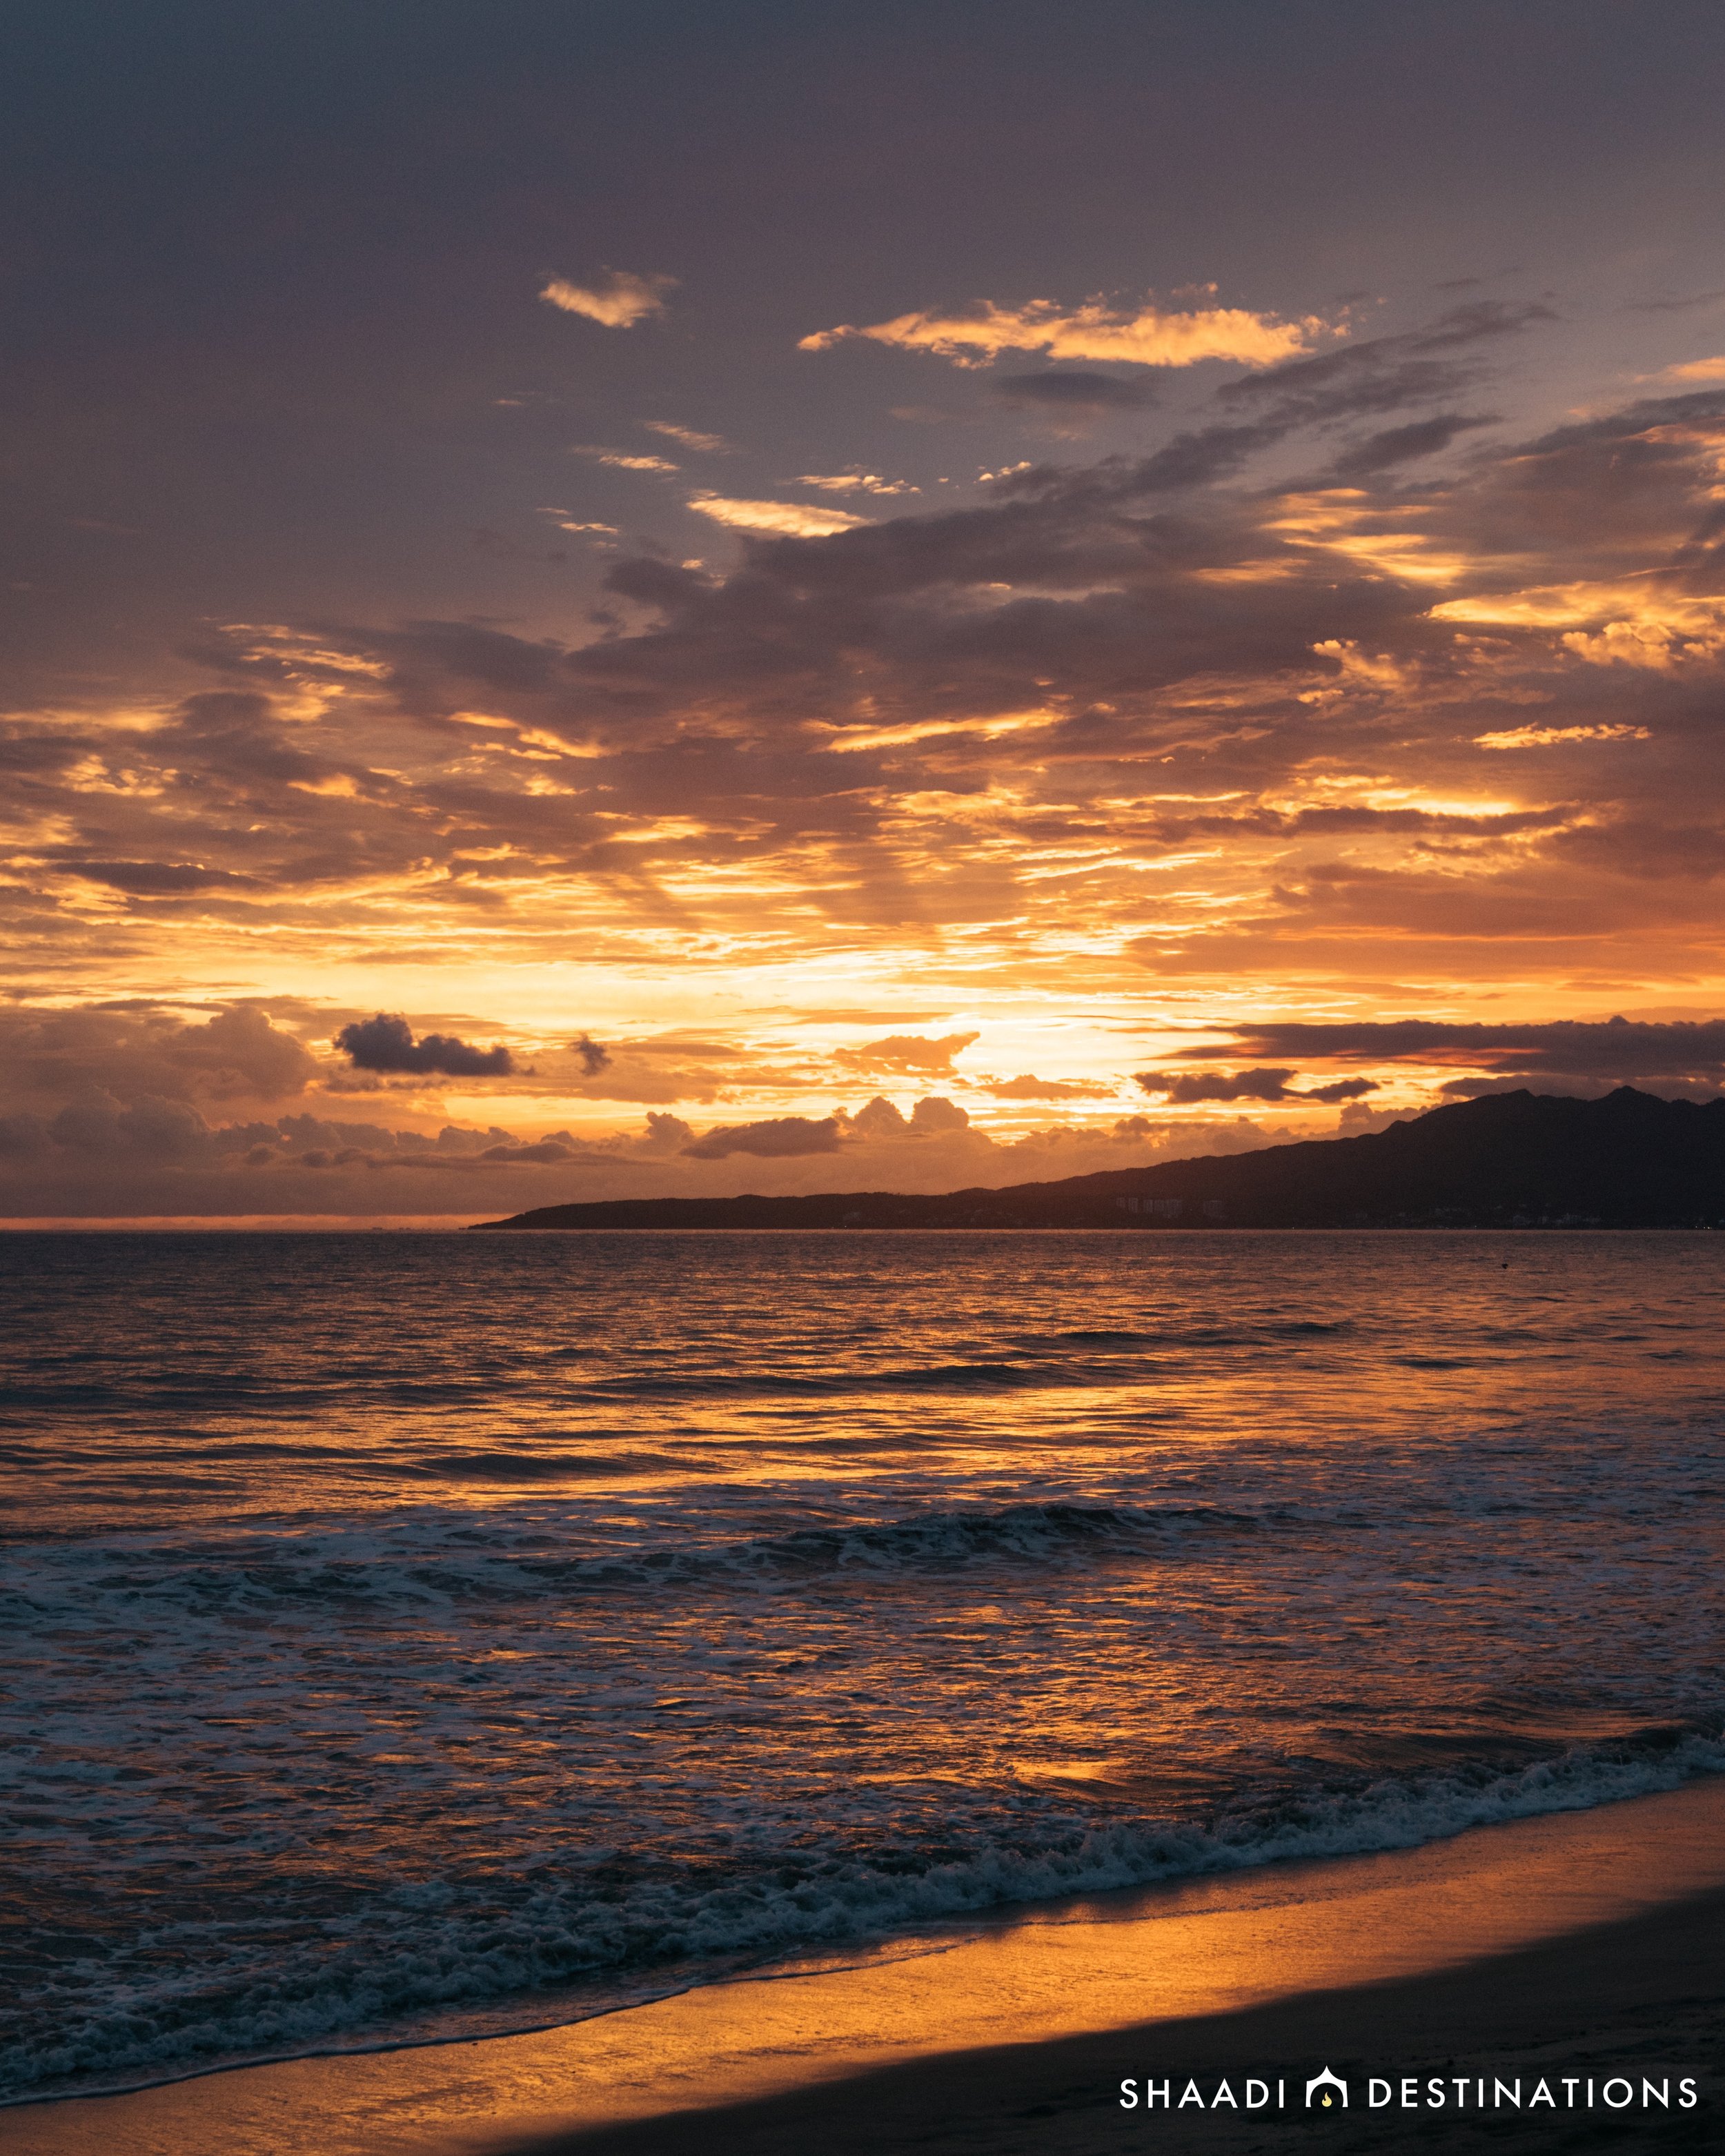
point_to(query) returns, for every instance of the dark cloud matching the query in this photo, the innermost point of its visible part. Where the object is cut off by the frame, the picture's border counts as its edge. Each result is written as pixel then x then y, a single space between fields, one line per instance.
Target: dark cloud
pixel 1076 390
pixel 150 879
pixel 777 1138
pixel 1396 445
pixel 1186 1088
pixel 386 1044
pixel 1676 306
pixel 1340 1089
pixel 1387 374
pixel 1619 1049
pixel 593 1058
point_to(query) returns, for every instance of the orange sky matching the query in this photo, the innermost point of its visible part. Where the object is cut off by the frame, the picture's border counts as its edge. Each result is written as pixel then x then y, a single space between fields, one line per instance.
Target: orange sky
pixel 1065 687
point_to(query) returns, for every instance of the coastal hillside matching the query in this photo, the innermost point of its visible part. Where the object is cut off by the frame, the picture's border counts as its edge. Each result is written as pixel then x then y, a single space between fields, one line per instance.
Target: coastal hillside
pixel 1509 1160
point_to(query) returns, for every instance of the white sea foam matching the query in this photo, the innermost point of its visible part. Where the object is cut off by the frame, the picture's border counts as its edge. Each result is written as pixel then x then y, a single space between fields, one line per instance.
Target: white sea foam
pixel 444 1957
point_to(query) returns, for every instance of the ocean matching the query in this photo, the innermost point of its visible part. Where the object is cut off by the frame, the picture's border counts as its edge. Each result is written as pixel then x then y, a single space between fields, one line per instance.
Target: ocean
pixel 410 1636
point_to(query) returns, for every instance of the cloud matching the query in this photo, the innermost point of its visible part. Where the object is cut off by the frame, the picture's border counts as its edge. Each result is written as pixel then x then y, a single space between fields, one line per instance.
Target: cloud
pixel 934 1116
pixel 794 519
pixel 879 1118
pixel 386 1043
pixel 544 1153
pixel 1386 373
pixel 1699 370
pixel 1029 1088
pixel 1145 334
pixel 691 438
pixel 50 1057
pixel 593 1058
pixel 99 1159
pixel 1339 1089
pixel 1126 712
pixel 1619 1048
pixel 906 1051
pixel 1186 1088
pixel 1396 445
pixel 775 1139
pixel 1535 736
pixel 619 300
pixel 1214 1085
pixel 153 879
pixel 621 459
pixel 855 483
pixel 1071 393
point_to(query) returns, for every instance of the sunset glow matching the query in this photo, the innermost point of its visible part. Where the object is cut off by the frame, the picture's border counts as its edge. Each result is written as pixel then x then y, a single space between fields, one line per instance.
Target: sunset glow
pixel 1112 645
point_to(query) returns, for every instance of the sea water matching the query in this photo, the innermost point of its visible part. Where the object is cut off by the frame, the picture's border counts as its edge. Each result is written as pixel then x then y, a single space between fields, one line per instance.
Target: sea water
pixel 408 1636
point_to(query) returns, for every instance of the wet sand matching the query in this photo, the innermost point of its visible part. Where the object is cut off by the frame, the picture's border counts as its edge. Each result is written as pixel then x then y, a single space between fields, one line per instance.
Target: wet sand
pixel 1578 1944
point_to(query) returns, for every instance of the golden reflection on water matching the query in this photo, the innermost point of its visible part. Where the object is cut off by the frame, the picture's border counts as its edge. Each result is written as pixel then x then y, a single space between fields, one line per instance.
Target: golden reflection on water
pixel 601 1613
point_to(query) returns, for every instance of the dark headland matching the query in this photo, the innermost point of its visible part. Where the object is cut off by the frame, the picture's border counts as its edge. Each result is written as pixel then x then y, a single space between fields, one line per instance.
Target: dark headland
pixel 1509 1160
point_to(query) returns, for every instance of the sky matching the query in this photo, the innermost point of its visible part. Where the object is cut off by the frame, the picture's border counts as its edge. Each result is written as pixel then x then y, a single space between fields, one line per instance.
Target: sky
pixel 610 600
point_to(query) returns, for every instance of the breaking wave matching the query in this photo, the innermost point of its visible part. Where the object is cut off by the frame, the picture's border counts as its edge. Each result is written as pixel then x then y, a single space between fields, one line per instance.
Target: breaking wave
pixel 421 1950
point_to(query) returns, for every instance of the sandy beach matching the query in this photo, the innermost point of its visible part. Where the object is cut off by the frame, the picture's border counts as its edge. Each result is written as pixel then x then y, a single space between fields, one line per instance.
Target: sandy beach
pixel 1583 1944
pixel 1639 1997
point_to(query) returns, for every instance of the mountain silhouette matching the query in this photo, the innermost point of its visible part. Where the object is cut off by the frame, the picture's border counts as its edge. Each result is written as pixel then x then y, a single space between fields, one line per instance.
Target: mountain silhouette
pixel 1509 1160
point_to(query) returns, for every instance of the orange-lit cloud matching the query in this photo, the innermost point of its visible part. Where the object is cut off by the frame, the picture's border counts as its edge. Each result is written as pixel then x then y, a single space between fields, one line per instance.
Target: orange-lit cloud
pixel 853 483
pixel 795 519
pixel 1144 335
pixel 1549 737
pixel 996 805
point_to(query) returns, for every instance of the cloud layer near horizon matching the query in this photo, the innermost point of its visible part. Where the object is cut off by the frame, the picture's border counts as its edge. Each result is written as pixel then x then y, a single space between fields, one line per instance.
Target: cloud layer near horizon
pixel 157 1113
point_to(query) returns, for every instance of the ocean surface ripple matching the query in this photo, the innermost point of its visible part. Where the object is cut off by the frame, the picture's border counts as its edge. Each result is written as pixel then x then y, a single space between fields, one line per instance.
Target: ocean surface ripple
pixel 419 1635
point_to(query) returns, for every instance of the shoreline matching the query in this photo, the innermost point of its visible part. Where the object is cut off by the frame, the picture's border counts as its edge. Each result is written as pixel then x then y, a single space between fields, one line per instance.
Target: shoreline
pixel 1618 2006
pixel 1047 1990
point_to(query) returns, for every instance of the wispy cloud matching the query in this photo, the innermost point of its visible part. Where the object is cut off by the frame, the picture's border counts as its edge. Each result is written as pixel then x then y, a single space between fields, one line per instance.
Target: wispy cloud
pixel 855 483
pixel 1699 370
pixel 620 300
pixel 621 459
pixel 908 1051
pixel 1074 392
pixel 691 438
pixel 1145 334
pixel 1547 737
pixel 794 519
